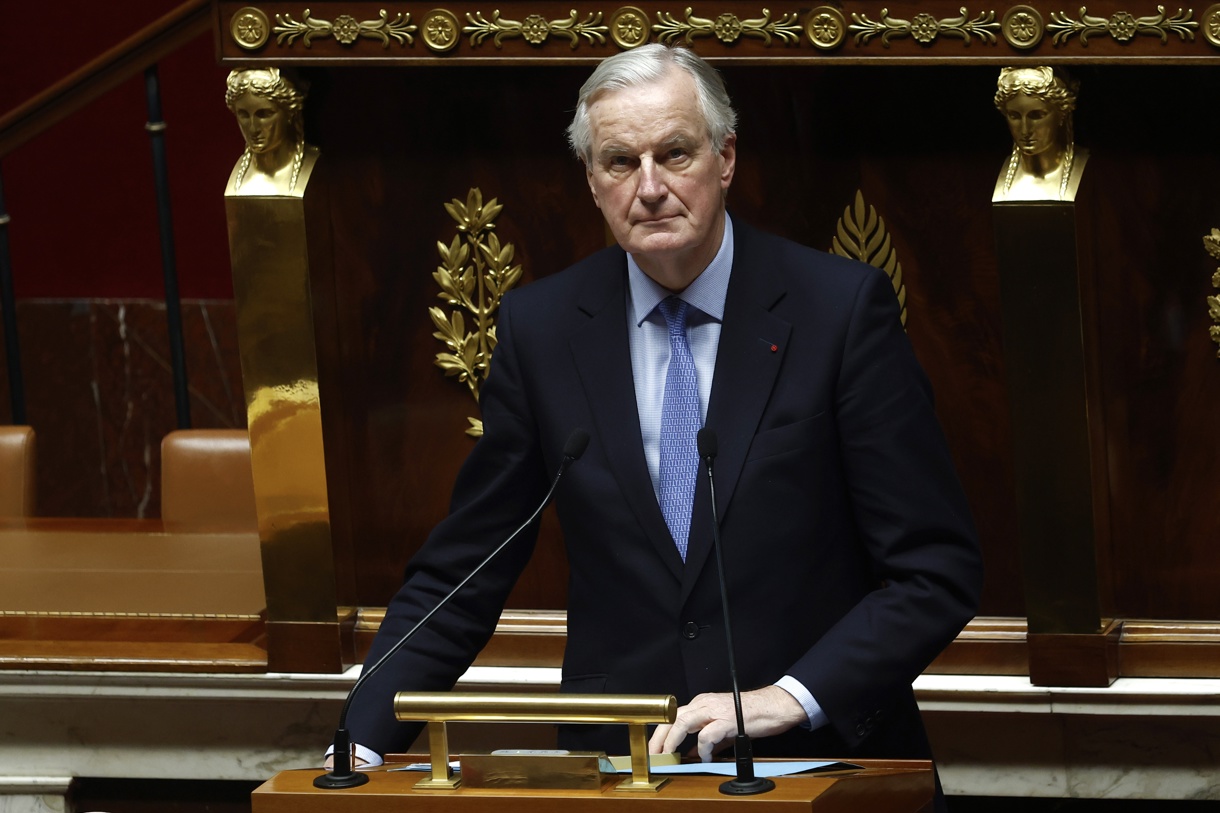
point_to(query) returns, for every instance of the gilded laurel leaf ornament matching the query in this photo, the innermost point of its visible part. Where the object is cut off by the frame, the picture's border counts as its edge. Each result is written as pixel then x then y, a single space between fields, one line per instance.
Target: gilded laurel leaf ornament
pixel 536 29
pixel 727 27
pixel 1211 242
pixel 860 235
pixel 344 28
pixel 1122 26
pixel 925 28
pixel 475 272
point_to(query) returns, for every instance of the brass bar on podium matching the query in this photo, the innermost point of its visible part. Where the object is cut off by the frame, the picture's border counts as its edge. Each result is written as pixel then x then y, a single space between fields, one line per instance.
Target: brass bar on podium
pixel 439 708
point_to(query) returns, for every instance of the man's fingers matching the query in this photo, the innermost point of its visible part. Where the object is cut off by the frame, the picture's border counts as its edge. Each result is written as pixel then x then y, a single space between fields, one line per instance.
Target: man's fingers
pixel 712 735
pixel 656 743
pixel 767 711
pixel 692 718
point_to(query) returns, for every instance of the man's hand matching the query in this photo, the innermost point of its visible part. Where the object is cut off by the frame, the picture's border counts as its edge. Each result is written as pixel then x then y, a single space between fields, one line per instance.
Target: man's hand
pixel 766 712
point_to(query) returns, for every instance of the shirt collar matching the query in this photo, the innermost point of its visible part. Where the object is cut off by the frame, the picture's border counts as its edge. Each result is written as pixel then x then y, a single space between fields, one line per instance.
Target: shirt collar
pixel 707 292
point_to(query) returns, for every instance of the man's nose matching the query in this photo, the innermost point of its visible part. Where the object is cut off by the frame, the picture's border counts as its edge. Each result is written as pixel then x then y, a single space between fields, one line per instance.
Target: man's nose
pixel 652 183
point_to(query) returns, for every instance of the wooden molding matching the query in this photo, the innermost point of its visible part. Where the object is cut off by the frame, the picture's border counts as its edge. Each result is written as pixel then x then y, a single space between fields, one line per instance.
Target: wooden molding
pixel 1075 659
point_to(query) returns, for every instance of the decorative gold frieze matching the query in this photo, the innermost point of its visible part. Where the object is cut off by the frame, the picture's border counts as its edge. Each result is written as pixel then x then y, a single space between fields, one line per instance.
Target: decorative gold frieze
pixel 535 29
pixel 924 27
pixel 861 235
pixel 345 28
pixel 1211 25
pixel 1022 27
pixel 1122 25
pixel 727 28
pixel 250 28
pixel 826 28
pixel 629 27
pixel 440 30
pixel 1211 242
pixel 475 273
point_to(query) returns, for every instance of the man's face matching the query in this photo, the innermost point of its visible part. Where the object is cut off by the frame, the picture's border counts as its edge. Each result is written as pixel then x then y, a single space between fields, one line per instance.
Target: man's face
pixel 657 179
pixel 1034 124
pixel 263 123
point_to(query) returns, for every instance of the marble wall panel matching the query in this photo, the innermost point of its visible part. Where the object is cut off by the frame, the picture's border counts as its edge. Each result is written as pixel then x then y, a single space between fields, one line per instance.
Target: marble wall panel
pixel 99 394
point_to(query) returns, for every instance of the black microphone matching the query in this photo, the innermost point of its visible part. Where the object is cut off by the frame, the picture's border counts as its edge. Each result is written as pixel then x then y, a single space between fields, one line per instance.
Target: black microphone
pixel 342 774
pixel 746 783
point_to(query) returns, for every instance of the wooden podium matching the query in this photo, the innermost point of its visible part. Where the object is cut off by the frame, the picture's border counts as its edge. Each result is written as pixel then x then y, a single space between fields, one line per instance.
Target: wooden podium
pixel 883 786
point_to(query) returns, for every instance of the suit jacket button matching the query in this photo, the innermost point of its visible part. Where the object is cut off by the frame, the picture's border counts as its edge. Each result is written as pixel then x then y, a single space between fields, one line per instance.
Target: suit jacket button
pixel 861 729
pixel 690 630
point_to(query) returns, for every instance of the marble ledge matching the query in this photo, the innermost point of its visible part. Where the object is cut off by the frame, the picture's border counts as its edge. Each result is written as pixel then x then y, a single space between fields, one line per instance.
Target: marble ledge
pixel 1140 738
pixel 1170 697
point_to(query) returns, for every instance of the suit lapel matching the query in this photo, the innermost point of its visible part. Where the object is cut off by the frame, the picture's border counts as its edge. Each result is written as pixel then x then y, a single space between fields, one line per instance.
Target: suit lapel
pixel 753 342
pixel 603 359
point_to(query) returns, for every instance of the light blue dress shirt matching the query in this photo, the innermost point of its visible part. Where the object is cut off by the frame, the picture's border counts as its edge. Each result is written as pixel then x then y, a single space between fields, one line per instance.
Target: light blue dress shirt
pixel 649 340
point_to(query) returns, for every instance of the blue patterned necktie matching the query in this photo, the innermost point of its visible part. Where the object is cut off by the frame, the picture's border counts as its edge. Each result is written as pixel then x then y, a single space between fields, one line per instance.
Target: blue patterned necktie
pixel 680 422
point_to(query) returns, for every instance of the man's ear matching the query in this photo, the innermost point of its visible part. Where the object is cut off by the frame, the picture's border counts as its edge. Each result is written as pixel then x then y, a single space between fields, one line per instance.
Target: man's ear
pixel 592 187
pixel 728 158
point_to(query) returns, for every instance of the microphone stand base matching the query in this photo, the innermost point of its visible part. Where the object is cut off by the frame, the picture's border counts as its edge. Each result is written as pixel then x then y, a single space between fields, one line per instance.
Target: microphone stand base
pixel 747 787
pixel 331 781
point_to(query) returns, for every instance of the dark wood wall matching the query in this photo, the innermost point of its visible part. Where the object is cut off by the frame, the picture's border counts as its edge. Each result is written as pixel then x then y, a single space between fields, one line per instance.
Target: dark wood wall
pixel 925 145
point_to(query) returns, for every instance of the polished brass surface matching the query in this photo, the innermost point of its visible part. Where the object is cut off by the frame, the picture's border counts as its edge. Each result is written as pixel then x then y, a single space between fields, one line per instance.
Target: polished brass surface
pixel 250 28
pixel 344 28
pixel 1212 243
pixel 623 761
pixel 728 27
pixel 441 776
pixel 1048 393
pixel 924 27
pixel 559 770
pixel 440 30
pixel 476 271
pixel 554 707
pixel 1045 163
pixel 268 205
pixel 1022 27
pixel 629 27
pixel 535 29
pixel 861 235
pixel 268 108
pixel 439 708
pixel 1123 26
pixel 826 28
pixel 1210 23
pixel 641 780
pixel 269 248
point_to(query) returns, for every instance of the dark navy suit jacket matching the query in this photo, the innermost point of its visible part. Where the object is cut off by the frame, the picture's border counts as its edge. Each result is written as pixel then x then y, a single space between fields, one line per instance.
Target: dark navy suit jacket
pixel 850 554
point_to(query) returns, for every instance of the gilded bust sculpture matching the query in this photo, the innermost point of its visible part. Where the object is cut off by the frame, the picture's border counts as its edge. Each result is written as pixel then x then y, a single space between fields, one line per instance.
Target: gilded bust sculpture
pixel 268 106
pixel 1045 164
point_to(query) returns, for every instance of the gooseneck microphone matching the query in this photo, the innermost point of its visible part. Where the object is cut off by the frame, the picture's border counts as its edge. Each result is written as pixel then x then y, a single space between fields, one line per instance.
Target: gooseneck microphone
pixel 342 774
pixel 746 783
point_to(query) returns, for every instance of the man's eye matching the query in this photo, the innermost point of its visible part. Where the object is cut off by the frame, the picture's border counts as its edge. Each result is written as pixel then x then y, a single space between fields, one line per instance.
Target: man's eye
pixel 675 153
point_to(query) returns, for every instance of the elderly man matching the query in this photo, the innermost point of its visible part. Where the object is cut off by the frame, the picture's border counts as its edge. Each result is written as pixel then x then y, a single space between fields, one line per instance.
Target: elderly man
pixel 849 549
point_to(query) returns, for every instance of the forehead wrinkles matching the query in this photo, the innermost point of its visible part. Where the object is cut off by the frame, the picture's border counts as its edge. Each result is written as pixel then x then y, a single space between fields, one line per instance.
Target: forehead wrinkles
pixel 646 116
